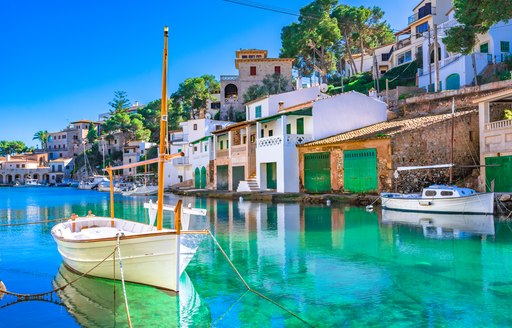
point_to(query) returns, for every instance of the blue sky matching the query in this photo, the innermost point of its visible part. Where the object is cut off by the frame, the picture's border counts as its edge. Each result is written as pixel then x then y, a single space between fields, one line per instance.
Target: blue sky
pixel 62 60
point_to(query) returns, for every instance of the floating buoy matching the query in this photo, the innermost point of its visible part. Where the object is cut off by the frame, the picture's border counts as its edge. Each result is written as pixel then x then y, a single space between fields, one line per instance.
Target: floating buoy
pixel 328 202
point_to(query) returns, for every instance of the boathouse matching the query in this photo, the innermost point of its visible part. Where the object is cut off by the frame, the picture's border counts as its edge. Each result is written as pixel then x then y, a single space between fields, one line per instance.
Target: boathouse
pixel 364 160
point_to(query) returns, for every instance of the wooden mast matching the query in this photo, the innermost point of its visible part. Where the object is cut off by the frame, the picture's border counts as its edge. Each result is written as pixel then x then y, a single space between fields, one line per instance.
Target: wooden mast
pixel 163 136
pixel 451 145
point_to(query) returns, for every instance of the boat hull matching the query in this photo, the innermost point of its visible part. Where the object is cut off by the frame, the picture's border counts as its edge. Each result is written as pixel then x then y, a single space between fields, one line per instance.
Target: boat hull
pixel 149 258
pixel 473 204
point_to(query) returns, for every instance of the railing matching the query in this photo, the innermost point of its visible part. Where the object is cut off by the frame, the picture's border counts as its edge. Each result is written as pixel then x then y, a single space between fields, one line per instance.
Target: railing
pixel 179 137
pixel 270 141
pixel 181 161
pixel 403 43
pixel 298 139
pixel 499 125
pixel 420 14
pixel 229 77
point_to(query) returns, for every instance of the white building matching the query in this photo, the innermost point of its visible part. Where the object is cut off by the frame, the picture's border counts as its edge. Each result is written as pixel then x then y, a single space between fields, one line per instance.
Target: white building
pixel 378 59
pixel 456 70
pixel 196 142
pixel 133 152
pixel 277 163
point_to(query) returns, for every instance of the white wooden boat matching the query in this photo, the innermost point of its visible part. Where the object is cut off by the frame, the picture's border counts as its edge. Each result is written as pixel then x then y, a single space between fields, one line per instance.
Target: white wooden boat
pixel 441 199
pixel 92 182
pixel 151 255
pixel 436 224
pixel 141 191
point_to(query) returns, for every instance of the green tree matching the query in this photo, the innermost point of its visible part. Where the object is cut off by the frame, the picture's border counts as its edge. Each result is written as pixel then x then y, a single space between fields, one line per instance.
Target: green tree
pixel 193 94
pixel 255 91
pixel 12 147
pixel 120 102
pixel 314 38
pixel 42 136
pixel 92 135
pixel 275 83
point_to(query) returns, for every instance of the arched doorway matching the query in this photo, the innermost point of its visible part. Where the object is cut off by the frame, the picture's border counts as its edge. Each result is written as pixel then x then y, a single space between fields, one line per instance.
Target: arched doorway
pixel 17 177
pixel 36 176
pixel 203 177
pixel 197 178
pixel 1 179
pixel 453 82
pixel 9 179
pixel 231 91
pixel 46 178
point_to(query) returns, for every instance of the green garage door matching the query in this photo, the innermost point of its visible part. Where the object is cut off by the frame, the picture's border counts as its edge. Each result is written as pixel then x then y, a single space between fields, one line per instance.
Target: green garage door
pixel 501 173
pixel 271 175
pixel 203 177
pixel 317 172
pixel 197 178
pixel 222 177
pixel 360 168
pixel 237 176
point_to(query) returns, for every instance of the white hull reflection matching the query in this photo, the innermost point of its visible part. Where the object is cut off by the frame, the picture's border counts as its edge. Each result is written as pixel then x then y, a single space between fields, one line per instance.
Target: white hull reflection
pixel 437 225
pixel 91 302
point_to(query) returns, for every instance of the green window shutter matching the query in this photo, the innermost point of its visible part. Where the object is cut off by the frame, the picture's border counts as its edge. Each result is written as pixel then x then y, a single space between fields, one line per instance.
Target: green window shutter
pixel 505 46
pixel 300 126
pixel 221 145
pixel 179 150
pixel 484 48
pixel 258 111
pixel 262 133
pixel 288 129
pixel 227 144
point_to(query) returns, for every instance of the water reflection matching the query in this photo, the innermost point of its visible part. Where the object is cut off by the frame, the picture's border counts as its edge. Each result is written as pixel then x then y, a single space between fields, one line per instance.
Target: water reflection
pixel 436 225
pixel 93 303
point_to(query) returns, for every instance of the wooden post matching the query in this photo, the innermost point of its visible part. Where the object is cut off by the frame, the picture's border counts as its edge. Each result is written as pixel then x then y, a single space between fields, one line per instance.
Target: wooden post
pixel 428 62
pixel 177 217
pixel 387 92
pixel 110 176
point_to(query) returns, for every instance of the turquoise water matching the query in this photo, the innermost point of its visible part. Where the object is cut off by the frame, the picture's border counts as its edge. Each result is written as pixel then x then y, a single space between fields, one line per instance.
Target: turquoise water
pixel 334 266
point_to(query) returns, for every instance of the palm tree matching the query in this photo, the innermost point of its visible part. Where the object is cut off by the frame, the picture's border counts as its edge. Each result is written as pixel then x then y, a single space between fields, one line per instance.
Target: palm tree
pixel 42 136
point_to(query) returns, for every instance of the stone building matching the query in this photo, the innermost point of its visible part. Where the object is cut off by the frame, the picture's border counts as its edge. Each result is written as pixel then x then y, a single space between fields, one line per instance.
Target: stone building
pixel 252 65
pixel 18 168
pixel 70 141
pixel 364 160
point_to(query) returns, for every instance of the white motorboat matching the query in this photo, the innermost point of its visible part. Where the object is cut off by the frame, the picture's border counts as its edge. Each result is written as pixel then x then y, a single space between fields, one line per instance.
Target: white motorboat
pixel 441 199
pixel 30 182
pixel 92 182
pixel 141 191
pixel 151 255
pixel 439 225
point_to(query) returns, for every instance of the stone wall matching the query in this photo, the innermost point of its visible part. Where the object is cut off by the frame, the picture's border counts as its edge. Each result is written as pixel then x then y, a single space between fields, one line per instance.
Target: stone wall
pixel 434 103
pixel 431 146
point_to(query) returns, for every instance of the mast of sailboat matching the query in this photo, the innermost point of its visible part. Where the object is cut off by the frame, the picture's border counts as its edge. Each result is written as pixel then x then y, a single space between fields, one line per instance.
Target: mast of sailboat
pixel 451 144
pixel 163 136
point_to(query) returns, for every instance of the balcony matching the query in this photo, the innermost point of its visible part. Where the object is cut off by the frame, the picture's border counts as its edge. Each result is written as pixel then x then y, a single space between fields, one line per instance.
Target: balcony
pixel 403 43
pixel 422 12
pixel 288 140
pixel 505 124
pixel 181 161
pixel 178 137
pixel 229 77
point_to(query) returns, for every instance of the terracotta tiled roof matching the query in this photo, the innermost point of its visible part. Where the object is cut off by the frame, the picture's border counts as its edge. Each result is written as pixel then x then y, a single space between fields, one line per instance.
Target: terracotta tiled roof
pixel 385 130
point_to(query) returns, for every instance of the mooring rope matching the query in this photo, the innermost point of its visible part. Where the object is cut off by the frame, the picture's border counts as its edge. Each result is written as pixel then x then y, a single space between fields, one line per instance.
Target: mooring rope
pixel 249 287
pixel 122 280
pixel 41 296
pixel 31 222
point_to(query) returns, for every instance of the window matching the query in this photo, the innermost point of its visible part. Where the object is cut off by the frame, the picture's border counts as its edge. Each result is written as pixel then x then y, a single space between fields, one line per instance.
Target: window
pixel 288 129
pixel 195 127
pixel 404 57
pixel 253 138
pixel 227 144
pixel 505 46
pixel 221 145
pixel 64 137
pixel 258 111
pixel 129 160
pixel 270 133
pixel 484 48
pixel 244 140
pixel 300 126
pixel 385 57
pixel 277 69
pixel 205 148
pixel 60 154
pixel 179 150
pixel 446 193
pixel 430 193
pixel 262 133
pixel 420 29
pixel 244 56
pixel 253 70
pixel 59 168
pixel 215 105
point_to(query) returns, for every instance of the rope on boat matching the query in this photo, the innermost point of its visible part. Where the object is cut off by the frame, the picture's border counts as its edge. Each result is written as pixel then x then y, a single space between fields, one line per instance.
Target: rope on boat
pixel 32 222
pixel 122 279
pixel 249 287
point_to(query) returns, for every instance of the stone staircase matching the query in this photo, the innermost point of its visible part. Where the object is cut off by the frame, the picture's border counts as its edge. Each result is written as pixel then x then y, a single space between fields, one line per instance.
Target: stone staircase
pixel 248 185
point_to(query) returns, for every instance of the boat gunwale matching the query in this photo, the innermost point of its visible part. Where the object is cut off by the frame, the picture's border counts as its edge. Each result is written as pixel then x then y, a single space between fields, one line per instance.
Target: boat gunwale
pixel 386 196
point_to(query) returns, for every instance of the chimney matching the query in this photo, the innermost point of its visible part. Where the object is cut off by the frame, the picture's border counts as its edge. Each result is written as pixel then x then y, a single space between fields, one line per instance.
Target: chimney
pixel 281 105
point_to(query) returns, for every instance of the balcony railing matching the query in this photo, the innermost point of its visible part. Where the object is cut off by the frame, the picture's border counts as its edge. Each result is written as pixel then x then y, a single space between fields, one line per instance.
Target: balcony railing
pixel 289 139
pixel 422 12
pixel 270 141
pixel 298 139
pixel 505 124
pixel 229 77
pixel 403 43
pixel 181 161
pixel 178 137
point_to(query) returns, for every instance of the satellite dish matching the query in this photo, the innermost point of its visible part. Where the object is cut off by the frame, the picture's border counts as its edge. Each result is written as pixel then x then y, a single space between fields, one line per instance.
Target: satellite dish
pixel 208 116
pixel 323 87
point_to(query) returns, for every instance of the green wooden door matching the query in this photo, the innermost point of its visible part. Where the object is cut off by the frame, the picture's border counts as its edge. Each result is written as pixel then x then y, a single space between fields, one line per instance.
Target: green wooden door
pixel 453 82
pixel 237 176
pixel 203 177
pixel 360 170
pixel 271 175
pixel 197 178
pixel 222 177
pixel 501 173
pixel 317 172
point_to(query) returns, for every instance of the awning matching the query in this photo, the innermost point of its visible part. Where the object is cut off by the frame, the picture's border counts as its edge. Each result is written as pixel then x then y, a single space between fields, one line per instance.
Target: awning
pixel 202 139
pixel 301 112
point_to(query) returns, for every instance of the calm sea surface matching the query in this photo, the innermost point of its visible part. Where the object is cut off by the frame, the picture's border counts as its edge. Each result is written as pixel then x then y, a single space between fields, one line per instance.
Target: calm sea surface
pixel 334 266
